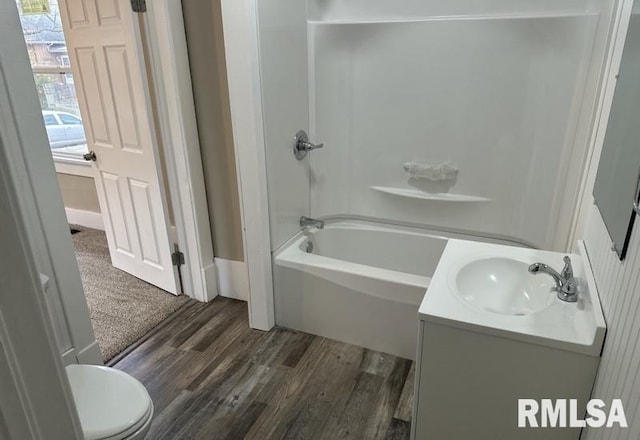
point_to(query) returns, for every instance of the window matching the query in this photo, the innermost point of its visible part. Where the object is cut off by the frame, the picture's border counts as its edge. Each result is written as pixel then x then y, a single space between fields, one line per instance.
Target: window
pixel 53 79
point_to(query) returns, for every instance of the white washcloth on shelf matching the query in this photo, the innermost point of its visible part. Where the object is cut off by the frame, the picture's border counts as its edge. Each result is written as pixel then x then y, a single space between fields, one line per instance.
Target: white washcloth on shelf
pixel 435 173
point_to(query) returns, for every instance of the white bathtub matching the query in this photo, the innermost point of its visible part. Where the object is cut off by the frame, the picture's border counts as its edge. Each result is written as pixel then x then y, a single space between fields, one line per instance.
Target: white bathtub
pixel 361 284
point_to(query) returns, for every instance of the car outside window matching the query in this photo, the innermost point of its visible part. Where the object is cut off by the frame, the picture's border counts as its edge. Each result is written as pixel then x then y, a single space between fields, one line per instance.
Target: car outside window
pixel 50 120
pixel 69 120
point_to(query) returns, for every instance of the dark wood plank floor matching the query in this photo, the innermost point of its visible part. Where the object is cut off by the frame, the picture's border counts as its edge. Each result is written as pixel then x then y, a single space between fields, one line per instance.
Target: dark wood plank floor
pixel 212 377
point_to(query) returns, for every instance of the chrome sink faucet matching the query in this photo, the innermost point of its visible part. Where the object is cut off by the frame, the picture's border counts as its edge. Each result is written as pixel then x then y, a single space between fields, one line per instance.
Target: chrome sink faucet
pixel 566 286
pixel 307 222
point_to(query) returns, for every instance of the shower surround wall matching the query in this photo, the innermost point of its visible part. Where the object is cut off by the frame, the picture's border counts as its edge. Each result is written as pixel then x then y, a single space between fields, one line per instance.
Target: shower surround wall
pixel 494 87
pixel 493 94
pixel 285 91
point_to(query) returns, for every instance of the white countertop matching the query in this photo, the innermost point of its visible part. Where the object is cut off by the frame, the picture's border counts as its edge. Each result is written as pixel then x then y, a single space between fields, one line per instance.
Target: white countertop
pixel 579 327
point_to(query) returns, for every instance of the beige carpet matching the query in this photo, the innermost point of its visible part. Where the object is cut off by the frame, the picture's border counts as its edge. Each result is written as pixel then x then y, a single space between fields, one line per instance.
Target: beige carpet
pixel 122 307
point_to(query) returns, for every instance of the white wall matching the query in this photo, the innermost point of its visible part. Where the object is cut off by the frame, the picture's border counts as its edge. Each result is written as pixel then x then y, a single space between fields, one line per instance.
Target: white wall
pixel 335 73
pixel 283 67
pixel 496 95
pixel 619 290
pixel 618 282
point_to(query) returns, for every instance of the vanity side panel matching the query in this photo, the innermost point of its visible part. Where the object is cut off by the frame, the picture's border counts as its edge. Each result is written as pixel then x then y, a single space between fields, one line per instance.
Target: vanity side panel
pixel 417 410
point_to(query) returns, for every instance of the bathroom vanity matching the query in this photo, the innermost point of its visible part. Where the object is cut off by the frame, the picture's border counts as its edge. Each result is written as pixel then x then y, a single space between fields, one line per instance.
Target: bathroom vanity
pixel 491 333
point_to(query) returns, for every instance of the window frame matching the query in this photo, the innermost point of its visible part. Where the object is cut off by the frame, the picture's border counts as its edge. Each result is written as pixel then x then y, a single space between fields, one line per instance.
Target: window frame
pixel 65 163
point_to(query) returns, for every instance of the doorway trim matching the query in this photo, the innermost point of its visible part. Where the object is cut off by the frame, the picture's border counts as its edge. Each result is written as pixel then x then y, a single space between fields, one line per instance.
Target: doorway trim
pixel 36 398
pixel 239 18
pixel 170 83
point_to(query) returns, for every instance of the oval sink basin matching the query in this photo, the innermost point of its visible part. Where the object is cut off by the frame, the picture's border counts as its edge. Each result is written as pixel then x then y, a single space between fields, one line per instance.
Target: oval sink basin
pixel 504 286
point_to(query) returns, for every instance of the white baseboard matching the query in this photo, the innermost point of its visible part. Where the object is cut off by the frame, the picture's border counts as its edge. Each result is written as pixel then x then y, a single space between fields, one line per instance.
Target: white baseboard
pixel 210 276
pixel 69 357
pixel 233 279
pixel 88 219
pixel 89 355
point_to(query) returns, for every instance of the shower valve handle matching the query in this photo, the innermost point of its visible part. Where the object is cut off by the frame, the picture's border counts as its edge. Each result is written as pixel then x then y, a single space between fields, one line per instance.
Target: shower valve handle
pixel 308 146
pixel 301 145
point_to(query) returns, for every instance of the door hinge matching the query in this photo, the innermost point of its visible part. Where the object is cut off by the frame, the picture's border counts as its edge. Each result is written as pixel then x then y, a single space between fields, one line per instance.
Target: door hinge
pixel 177 258
pixel 139 5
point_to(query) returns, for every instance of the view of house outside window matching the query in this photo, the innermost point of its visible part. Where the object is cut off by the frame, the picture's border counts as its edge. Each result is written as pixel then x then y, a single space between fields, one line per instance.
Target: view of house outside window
pixel 53 78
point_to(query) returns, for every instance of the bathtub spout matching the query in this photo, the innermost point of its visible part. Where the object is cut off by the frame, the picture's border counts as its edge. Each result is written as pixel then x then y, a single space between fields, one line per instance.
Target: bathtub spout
pixel 307 222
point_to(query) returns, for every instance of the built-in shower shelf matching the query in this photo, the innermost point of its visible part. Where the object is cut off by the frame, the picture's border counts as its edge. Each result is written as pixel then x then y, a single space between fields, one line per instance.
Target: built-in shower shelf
pixel 532 16
pixel 417 194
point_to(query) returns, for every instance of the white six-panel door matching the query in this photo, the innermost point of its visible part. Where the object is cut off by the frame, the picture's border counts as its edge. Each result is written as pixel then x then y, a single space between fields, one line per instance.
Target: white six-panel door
pixel 110 78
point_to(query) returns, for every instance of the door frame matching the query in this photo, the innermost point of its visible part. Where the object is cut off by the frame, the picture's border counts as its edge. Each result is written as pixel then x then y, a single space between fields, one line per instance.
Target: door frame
pixel 176 116
pixel 41 205
pixel 170 82
pixel 36 397
pixel 162 43
pixel 239 22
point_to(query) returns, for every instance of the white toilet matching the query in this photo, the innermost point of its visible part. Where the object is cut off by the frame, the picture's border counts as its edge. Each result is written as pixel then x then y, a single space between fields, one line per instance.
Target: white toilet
pixel 111 404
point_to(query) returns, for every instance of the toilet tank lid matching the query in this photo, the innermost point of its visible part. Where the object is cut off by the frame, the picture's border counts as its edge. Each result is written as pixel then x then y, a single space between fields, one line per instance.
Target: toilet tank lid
pixel 109 402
